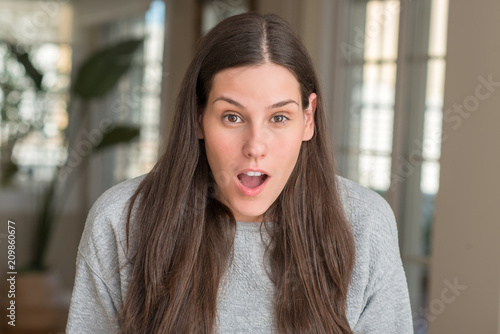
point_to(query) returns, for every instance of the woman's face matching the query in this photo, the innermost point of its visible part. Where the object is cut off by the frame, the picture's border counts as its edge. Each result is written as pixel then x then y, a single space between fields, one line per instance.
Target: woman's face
pixel 253 126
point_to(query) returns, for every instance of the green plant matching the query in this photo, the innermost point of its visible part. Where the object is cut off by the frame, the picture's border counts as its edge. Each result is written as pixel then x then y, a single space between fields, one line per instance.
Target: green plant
pixel 95 78
pixel 15 126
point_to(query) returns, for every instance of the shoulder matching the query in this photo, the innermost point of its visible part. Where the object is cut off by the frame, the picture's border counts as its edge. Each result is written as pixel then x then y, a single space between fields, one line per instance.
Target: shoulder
pixel 366 209
pixel 111 208
pixel 114 200
pixel 102 268
pixel 373 223
pixel 375 234
pixel 104 233
pixel 376 242
pixel 378 281
pixel 356 197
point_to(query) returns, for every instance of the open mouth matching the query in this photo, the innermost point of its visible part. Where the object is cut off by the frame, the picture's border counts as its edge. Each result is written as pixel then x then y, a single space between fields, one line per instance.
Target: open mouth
pixel 252 180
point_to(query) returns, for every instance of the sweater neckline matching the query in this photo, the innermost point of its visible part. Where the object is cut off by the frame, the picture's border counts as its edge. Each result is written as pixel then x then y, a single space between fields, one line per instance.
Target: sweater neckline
pixel 248 226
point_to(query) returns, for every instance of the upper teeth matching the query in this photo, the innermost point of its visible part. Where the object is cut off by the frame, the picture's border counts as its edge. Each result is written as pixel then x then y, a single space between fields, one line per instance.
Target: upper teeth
pixel 254 173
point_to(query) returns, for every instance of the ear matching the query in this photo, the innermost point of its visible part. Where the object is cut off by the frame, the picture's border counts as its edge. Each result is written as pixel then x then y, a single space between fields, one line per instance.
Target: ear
pixel 309 117
pixel 200 126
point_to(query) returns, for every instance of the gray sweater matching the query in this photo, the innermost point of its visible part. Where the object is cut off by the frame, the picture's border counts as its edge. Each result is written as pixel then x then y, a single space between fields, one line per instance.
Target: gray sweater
pixel 378 299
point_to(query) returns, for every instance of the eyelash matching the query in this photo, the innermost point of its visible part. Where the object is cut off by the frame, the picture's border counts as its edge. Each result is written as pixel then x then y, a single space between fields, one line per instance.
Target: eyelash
pixel 274 116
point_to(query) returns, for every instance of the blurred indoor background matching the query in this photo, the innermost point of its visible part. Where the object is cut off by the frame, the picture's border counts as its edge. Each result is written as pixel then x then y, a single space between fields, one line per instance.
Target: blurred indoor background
pixel 411 88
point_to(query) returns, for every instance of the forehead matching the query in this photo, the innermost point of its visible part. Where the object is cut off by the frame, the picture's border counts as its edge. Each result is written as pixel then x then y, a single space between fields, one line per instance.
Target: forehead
pixel 260 81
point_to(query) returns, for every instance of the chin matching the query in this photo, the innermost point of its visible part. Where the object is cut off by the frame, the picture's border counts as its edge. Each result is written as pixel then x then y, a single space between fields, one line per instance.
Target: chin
pixel 251 212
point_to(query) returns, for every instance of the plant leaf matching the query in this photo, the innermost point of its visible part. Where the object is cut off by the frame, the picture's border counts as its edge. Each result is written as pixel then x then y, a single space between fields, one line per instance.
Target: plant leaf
pixel 119 134
pixel 31 71
pixel 101 71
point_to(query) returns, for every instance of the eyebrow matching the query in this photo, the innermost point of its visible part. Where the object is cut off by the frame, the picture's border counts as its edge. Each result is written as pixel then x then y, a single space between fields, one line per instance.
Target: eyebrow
pixel 239 105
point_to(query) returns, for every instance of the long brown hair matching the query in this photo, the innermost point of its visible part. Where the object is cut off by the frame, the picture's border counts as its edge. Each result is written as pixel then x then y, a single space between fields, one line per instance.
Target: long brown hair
pixel 180 238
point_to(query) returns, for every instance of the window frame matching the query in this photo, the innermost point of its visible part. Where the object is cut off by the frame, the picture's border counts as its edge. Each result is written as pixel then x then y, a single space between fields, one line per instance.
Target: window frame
pixel 405 198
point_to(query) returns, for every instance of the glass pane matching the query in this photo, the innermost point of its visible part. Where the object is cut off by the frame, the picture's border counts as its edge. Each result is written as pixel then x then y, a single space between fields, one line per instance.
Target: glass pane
pixel 137 98
pixel 155 26
pixel 381 30
pixel 431 148
pixel 379 84
pixel 435 83
pixel 429 186
pixel 371 124
pixel 376 130
pixel 433 115
pixel 438 28
pixel 430 178
pixel 375 124
pixel 375 171
pixel 28 22
pixel 34 117
pixel 214 11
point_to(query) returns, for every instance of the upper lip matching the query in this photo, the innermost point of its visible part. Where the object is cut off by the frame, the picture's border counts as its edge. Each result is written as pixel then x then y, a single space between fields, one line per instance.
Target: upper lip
pixel 253 170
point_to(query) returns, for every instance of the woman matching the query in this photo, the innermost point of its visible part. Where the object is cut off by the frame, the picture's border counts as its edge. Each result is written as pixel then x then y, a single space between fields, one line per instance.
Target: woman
pixel 242 225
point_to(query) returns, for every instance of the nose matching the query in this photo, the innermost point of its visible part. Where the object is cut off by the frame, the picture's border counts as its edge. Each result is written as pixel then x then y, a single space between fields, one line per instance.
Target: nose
pixel 255 146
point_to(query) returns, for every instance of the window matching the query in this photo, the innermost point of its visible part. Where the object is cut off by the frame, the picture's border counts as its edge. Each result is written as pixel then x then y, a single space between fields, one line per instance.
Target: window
pixel 136 99
pixel 214 11
pixel 371 67
pixel 389 138
pixel 32 119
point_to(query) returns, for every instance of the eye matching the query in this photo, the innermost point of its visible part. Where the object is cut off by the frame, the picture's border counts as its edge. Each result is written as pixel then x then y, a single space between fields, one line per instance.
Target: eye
pixel 279 119
pixel 232 118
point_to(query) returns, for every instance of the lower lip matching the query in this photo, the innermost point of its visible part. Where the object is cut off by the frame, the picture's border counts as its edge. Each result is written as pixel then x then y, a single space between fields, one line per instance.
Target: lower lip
pixel 251 192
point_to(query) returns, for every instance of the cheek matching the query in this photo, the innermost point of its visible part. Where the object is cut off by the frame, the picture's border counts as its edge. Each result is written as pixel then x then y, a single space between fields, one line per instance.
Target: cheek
pixel 220 149
pixel 286 152
pixel 219 159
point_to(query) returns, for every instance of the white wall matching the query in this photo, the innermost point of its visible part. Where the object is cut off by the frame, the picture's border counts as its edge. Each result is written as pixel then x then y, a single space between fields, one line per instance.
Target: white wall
pixel 466 245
